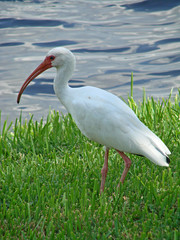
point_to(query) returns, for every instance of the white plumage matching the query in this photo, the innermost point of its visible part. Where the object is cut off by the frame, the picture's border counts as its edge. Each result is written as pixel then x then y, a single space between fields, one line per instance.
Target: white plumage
pixel 101 116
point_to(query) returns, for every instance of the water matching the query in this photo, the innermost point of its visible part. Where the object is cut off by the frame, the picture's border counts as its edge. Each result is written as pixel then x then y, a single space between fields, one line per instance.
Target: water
pixel 110 39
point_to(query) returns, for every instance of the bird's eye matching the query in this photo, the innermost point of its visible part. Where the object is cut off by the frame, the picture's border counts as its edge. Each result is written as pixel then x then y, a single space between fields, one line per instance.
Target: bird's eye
pixel 52 57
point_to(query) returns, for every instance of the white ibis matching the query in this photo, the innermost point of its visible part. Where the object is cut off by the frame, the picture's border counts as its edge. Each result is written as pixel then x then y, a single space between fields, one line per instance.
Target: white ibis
pixel 101 116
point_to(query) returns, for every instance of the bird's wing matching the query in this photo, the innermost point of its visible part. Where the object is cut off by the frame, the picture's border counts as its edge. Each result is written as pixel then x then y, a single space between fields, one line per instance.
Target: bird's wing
pixel 103 117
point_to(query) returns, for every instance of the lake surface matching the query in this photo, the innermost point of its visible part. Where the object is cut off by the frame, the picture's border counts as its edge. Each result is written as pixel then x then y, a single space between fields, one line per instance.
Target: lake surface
pixel 110 39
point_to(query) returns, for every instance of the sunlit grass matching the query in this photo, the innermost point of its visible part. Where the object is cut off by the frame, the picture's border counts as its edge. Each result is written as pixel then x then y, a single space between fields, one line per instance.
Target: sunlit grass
pixel 50 178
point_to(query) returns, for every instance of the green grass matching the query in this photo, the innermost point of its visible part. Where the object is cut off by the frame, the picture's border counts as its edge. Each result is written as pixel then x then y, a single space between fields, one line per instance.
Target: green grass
pixel 50 177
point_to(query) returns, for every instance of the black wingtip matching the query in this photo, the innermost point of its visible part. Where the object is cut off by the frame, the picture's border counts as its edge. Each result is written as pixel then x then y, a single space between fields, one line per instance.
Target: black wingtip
pixel 167 160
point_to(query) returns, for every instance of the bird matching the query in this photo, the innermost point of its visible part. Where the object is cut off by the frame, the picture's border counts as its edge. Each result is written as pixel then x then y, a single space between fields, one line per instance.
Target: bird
pixel 101 116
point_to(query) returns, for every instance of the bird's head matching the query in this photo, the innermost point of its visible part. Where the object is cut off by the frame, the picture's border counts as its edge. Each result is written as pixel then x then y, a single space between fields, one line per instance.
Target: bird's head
pixel 60 56
pixel 57 57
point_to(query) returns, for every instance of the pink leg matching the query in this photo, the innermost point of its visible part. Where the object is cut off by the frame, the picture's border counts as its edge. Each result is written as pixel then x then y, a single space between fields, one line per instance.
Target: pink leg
pixel 104 171
pixel 127 162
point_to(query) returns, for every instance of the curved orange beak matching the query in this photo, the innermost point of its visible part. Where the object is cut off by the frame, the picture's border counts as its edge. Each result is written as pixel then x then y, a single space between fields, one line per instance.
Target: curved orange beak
pixel 41 68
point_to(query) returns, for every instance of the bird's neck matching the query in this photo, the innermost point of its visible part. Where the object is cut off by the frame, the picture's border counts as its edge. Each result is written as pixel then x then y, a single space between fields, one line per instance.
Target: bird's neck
pixel 61 86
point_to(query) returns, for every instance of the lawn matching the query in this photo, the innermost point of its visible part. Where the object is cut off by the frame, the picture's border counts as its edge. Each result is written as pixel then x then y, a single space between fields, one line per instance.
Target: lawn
pixel 50 178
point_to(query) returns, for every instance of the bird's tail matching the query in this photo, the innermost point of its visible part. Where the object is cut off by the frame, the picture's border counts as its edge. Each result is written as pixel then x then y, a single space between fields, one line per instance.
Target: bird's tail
pixel 158 157
pixel 157 151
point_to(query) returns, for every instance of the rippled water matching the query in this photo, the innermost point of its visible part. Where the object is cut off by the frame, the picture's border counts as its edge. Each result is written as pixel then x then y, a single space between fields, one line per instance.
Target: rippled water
pixel 110 39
